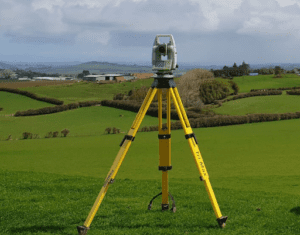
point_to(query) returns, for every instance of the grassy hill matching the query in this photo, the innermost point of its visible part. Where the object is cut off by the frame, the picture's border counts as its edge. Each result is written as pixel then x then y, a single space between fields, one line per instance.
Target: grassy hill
pixel 85 91
pixel 49 185
pixel 246 83
pixel 87 121
pixel 95 67
pixel 12 102
pixel 261 104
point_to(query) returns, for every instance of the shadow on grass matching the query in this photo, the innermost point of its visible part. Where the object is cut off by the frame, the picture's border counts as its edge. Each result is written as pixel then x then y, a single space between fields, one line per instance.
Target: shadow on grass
pixel 38 229
pixel 296 210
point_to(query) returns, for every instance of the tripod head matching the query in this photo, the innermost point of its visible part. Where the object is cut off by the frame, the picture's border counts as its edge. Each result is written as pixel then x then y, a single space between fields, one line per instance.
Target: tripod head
pixel 160 66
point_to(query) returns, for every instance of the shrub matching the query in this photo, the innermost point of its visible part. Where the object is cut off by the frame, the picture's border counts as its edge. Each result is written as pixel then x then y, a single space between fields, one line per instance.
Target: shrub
pixel 1 109
pixel 49 135
pixel 36 136
pixel 211 90
pixel 138 94
pixel 145 129
pixel 89 103
pixel 293 92
pixel 277 70
pixel 119 96
pixel 218 102
pixel 108 130
pixel 55 134
pixel 27 135
pixel 115 130
pixel 65 132
pixel 234 87
pixel 189 86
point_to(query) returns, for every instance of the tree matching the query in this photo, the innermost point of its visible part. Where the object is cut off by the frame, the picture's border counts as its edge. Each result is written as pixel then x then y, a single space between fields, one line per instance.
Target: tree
pixel 245 68
pixel 85 72
pixel 6 74
pixel 278 70
pixel 234 65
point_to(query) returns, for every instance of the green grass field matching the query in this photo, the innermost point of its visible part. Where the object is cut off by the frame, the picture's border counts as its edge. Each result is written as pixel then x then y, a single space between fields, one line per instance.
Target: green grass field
pixel 48 186
pixel 85 91
pixel 13 102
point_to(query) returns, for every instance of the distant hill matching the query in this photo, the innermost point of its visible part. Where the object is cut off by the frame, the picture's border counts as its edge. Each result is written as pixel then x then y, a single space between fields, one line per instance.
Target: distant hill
pixel 7 66
pixel 92 66
pixel 97 67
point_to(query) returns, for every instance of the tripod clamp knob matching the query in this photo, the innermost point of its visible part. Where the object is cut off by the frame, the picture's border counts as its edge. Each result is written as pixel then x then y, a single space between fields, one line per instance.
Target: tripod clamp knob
pixel 127 137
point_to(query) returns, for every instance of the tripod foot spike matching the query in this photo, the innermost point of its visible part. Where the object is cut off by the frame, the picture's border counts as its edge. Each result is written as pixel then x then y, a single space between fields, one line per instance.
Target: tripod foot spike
pixel 222 221
pixel 164 207
pixel 82 230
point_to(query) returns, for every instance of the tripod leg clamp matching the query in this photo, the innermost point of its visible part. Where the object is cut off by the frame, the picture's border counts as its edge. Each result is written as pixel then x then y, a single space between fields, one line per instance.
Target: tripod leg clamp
pixel 190 136
pixel 164 168
pixel 127 137
pixel 82 230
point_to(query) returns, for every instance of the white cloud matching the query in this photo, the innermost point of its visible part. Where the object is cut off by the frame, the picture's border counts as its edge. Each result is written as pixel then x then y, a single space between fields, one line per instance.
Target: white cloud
pixel 123 24
pixel 45 4
pixel 62 17
pixel 89 36
pixel 284 3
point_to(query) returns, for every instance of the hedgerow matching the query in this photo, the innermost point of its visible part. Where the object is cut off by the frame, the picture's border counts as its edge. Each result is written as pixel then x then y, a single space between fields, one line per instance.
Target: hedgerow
pixel 47 110
pixel 55 109
pixel 293 92
pixel 272 89
pixel 32 96
pixel 135 106
pixel 253 93
pixel 225 120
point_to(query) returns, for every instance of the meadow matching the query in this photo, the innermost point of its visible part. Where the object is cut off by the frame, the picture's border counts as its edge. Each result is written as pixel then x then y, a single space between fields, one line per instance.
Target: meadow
pixel 49 185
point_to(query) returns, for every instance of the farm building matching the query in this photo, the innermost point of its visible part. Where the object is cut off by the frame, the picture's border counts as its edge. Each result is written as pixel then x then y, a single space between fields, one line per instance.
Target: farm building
pixel 24 79
pixel 49 78
pixel 253 74
pixel 107 77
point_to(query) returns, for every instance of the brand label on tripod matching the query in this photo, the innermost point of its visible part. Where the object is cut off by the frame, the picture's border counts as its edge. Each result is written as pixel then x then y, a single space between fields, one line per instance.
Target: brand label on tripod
pixel 201 163
pixel 108 178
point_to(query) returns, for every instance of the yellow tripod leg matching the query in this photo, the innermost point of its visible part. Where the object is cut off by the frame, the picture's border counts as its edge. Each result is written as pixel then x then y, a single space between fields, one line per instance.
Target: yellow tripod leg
pixel 197 155
pixel 164 136
pixel 125 144
pixel 164 149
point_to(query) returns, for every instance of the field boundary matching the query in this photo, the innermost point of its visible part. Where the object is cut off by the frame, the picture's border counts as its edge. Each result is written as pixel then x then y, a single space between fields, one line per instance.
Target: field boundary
pixel 56 109
pixel 226 120
pixel 32 95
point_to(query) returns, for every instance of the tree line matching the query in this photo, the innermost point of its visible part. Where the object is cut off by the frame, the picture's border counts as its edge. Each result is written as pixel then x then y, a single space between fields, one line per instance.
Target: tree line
pixel 244 69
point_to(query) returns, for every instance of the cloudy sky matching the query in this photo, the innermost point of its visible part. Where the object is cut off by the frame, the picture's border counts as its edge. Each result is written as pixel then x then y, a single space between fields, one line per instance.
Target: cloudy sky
pixel 207 32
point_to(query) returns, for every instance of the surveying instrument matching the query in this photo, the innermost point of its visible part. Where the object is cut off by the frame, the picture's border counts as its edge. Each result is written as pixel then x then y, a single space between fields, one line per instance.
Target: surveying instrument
pixel 163 79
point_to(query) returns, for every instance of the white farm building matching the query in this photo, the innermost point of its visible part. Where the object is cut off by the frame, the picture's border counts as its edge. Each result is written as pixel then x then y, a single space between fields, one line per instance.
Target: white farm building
pixel 107 77
pixel 49 78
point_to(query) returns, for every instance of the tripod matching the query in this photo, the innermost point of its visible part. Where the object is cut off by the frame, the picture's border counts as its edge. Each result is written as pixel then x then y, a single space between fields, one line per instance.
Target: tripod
pixel 160 81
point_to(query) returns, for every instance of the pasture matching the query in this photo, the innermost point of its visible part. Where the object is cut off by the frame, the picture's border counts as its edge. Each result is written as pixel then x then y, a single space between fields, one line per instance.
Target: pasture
pixel 49 185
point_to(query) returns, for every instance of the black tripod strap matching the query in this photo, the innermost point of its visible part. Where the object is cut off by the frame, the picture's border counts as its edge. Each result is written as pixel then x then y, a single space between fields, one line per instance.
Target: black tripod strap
pixel 150 204
pixel 173 202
